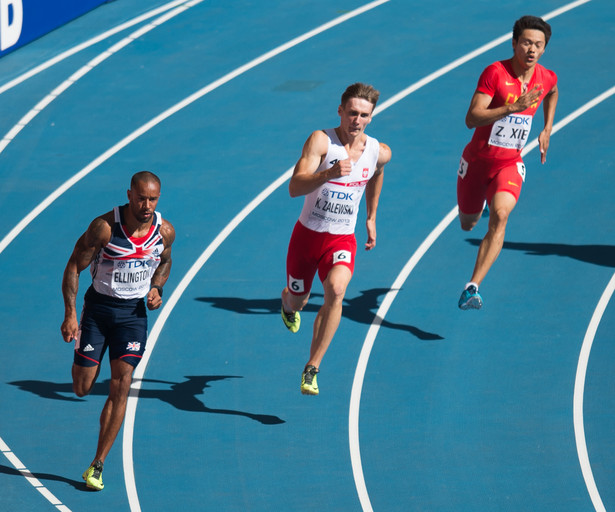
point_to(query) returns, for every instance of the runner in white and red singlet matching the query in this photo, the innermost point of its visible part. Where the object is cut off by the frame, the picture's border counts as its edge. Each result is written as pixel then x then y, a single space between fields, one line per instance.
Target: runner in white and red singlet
pixel 335 168
pixel 491 170
pixel 129 253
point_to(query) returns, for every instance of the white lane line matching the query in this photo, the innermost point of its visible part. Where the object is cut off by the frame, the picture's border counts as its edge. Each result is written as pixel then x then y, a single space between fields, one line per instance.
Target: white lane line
pixel 355 397
pixel 359 376
pixel 9 237
pixel 357 386
pixel 579 390
pixel 90 42
pixel 131 408
pixel 84 70
pixel 34 482
pixel 128 434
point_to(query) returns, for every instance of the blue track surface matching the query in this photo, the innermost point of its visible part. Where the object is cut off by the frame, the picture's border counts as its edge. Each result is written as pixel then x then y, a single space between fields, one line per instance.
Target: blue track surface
pixel 464 411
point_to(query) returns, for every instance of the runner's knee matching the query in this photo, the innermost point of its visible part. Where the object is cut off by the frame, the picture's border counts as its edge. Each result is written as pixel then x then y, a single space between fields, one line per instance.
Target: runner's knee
pixel 294 302
pixel 84 378
pixel 468 221
pixel 82 388
pixel 499 217
pixel 335 289
pixel 120 386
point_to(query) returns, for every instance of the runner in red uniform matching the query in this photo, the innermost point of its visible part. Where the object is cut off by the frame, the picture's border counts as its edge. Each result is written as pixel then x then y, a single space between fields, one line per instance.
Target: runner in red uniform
pixel 336 167
pixel 491 170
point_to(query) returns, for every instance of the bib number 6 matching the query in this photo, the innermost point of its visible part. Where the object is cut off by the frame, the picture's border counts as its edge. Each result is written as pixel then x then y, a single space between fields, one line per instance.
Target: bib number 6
pixel 295 285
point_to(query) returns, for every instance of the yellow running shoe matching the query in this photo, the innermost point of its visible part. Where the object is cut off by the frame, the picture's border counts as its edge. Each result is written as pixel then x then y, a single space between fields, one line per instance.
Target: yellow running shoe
pixel 309 386
pixel 292 321
pixel 93 476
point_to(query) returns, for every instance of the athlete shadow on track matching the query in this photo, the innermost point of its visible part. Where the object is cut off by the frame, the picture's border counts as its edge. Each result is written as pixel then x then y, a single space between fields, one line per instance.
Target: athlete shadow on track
pixel 602 255
pixel 361 309
pixel 77 484
pixel 181 395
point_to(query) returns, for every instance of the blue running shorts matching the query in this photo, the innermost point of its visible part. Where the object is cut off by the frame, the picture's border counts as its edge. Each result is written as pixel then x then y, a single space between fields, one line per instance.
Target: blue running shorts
pixel 117 324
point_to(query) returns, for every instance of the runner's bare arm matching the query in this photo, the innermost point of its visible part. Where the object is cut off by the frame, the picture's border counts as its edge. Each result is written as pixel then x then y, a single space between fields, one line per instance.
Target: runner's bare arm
pixel 96 236
pixel 154 297
pixel 479 113
pixel 372 195
pixel 305 179
pixel 548 105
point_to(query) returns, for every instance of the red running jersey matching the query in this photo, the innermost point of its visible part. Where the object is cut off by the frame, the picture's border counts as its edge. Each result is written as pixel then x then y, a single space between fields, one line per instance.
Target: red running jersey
pixel 504 139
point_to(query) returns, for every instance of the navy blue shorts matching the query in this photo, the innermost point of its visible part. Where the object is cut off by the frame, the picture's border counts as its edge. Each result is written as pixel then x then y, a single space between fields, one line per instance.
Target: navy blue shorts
pixel 107 322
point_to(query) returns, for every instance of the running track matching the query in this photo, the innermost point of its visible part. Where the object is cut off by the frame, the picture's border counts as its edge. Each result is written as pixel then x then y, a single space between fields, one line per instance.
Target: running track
pixel 423 407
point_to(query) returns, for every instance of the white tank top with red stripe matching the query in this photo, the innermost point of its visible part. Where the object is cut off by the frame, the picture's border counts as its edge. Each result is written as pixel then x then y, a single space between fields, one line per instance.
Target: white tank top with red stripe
pixel 124 267
pixel 333 207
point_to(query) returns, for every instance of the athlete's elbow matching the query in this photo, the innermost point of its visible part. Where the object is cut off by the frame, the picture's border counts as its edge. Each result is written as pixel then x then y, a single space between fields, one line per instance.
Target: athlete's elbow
pixel 295 188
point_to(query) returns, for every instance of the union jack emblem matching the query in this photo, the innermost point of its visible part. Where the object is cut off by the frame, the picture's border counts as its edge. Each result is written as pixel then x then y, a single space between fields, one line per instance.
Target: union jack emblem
pixel 134 346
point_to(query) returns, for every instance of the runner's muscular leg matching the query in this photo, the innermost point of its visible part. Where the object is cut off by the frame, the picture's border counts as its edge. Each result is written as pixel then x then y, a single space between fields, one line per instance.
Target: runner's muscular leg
pixel 84 378
pixel 113 412
pixel 502 205
pixel 292 303
pixel 329 316
pixel 469 220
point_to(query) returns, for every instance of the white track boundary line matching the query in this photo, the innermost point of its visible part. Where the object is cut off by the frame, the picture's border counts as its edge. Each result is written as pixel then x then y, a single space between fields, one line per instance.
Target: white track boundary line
pixel 579 390
pixel 357 386
pixel 131 408
pixel 90 42
pixel 35 482
pixel 355 397
pixel 128 433
pixel 84 70
pixel 171 111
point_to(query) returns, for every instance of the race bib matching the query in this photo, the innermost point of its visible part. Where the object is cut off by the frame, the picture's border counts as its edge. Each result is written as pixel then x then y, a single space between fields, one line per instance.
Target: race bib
pixel 131 278
pixel 463 168
pixel 521 170
pixel 511 132
pixel 296 285
pixel 342 257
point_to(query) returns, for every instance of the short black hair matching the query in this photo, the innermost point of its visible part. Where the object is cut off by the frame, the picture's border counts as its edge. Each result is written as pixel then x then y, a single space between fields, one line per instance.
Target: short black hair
pixel 532 23
pixel 144 176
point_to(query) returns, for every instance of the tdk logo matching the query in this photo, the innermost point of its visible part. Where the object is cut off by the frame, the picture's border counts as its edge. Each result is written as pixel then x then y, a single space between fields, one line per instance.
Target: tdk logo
pixel 136 264
pixel 517 120
pixel 11 21
pixel 341 195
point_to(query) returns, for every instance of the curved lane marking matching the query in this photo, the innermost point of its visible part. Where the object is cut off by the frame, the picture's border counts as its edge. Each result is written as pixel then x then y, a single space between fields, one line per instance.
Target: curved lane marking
pixel 129 477
pixel 579 390
pixel 355 398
